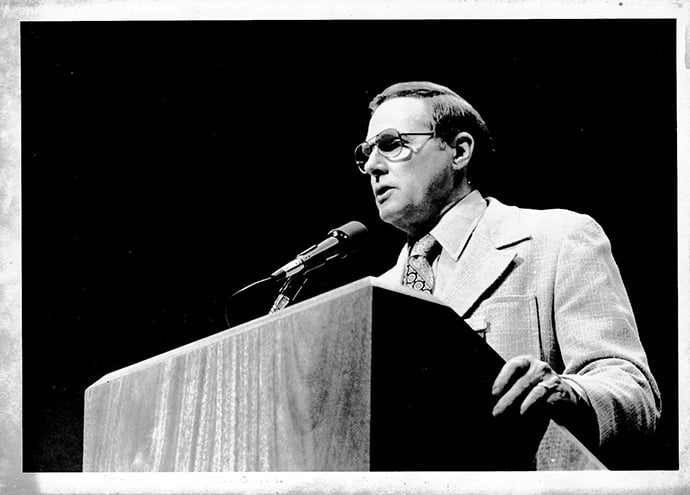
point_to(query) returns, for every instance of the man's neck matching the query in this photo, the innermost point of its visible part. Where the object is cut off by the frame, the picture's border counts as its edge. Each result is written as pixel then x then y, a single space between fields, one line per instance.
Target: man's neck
pixel 457 196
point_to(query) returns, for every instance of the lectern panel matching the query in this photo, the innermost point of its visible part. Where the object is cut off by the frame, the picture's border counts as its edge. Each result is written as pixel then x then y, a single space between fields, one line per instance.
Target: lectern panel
pixel 287 392
pixel 431 394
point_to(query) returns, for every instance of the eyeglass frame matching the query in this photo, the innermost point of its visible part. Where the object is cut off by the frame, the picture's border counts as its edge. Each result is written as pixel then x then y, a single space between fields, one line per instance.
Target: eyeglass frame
pixel 360 166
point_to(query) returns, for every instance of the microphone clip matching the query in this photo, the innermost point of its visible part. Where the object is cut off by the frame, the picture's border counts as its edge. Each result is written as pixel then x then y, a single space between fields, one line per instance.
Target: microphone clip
pixel 288 292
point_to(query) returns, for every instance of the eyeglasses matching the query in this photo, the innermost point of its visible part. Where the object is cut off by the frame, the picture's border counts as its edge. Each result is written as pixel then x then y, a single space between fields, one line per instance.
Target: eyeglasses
pixel 390 143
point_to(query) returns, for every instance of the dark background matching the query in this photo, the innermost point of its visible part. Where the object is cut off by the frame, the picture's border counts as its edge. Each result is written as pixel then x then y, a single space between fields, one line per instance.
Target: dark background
pixel 167 164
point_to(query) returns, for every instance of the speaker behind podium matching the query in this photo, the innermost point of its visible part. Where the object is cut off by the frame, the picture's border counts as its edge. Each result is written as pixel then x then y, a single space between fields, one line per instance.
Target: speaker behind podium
pixel 362 378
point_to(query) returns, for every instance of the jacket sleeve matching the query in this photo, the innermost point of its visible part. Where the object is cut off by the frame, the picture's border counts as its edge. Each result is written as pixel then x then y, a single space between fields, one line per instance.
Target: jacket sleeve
pixel 598 336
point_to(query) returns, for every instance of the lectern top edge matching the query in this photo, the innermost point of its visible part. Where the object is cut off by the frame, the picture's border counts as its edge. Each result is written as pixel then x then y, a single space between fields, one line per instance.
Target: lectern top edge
pixel 335 293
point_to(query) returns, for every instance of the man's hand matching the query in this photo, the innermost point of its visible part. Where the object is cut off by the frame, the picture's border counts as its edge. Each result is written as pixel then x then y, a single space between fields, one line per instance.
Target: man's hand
pixel 527 385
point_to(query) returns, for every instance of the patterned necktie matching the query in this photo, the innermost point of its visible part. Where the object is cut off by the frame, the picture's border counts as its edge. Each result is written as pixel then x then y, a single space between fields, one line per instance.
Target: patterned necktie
pixel 418 272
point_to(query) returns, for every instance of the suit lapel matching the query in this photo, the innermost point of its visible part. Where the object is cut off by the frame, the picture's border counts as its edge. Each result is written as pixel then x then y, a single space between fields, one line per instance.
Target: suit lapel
pixel 483 261
pixel 478 268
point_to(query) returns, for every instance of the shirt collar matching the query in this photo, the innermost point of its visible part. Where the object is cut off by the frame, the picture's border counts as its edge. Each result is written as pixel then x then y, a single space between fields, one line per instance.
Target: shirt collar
pixel 453 230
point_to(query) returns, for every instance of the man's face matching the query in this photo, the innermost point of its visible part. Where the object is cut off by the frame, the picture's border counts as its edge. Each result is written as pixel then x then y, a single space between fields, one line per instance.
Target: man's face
pixel 413 188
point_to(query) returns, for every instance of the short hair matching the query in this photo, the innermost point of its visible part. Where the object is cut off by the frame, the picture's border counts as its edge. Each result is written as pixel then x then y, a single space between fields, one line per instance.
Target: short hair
pixel 450 114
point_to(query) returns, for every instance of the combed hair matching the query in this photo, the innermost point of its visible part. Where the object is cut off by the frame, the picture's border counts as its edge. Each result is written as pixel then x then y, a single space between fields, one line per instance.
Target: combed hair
pixel 450 114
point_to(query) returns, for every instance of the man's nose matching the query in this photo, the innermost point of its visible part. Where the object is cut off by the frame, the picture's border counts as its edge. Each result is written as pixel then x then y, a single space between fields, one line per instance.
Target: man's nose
pixel 376 164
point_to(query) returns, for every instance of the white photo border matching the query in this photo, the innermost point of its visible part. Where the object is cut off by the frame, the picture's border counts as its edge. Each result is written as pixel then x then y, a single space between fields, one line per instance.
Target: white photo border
pixel 13 12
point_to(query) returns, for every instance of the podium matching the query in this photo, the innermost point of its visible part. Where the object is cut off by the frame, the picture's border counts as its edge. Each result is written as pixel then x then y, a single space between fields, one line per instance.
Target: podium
pixel 362 378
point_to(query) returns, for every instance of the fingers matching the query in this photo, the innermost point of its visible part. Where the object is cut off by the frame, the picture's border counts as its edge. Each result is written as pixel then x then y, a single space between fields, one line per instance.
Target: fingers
pixel 510 372
pixel 539 393
pixel 532 382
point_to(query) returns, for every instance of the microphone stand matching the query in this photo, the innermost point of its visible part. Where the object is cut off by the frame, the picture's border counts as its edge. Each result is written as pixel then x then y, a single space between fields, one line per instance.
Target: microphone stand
pixel 288 292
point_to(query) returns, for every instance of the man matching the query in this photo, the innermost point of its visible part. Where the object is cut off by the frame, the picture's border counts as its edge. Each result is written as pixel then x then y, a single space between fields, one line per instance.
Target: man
pixel 540 286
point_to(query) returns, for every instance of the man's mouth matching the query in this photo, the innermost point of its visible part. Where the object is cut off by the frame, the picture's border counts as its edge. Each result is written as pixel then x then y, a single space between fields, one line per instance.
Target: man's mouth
pixel 382 193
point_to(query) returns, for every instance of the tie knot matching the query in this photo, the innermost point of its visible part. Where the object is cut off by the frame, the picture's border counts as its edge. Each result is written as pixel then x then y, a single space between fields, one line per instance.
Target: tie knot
pixel 426 247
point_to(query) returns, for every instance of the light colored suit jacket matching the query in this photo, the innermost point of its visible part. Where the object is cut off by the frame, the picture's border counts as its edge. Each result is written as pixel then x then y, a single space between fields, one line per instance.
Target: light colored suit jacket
pixel 544 283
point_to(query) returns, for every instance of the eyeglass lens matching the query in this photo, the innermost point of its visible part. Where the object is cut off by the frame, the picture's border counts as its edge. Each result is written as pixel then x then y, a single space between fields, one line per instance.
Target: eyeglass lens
pixel 389 143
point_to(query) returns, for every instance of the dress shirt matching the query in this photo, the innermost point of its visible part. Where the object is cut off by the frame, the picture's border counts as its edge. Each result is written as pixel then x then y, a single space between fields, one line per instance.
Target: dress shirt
pixel 452 232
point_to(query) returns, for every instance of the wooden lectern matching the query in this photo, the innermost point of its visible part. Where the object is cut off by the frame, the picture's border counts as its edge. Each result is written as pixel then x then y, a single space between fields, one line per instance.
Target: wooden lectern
pixel 362 378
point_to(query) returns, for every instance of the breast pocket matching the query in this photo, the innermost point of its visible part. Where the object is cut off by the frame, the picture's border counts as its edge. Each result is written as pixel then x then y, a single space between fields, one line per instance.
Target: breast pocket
pixel 509 324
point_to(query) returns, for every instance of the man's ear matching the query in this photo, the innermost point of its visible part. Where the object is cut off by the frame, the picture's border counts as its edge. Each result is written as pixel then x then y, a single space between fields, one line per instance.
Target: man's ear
pixel 463 145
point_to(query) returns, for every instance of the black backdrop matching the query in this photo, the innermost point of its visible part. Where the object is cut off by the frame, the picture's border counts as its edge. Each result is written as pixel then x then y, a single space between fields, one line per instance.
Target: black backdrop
pixel 167 164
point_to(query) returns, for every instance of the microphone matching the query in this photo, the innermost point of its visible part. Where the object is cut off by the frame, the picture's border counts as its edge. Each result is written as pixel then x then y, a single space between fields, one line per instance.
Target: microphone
pixel 339 243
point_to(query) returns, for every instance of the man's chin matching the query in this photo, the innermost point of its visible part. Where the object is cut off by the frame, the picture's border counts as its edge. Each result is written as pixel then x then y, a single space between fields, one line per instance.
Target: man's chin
pixel 391 216
pixel 386 213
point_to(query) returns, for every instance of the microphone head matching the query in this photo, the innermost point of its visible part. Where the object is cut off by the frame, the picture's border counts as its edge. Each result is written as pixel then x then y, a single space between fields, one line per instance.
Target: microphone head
pixel 354 232
pixel 339 243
